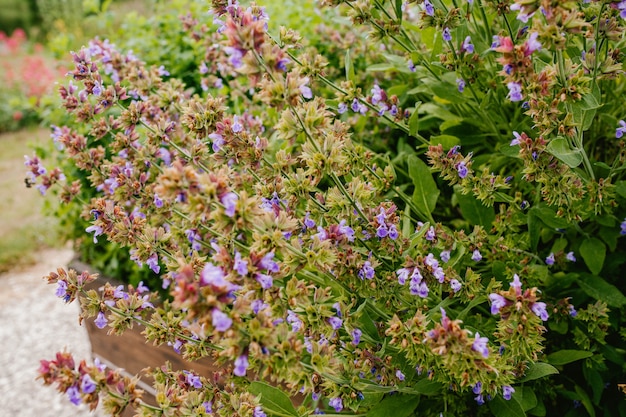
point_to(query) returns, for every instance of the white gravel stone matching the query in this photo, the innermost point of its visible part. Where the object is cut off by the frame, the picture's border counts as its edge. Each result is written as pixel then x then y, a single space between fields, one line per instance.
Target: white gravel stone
pixel 34 325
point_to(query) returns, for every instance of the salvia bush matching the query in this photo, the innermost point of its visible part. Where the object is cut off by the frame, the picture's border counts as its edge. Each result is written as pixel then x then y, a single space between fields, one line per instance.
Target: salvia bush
pixel 432 230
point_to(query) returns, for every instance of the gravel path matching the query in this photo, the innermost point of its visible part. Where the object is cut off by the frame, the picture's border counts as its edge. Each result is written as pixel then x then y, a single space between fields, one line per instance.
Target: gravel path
pixel 34 325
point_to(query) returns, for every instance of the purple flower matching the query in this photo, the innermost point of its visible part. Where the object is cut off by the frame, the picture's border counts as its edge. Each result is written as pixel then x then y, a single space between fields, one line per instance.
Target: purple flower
pixel 356 336
pixel 378 94
pixel 100 321
pixel 516 140
pixel 235 56
pixel 477 388
pixel 258 305
pixel 619 132
pixel 439 274
pixel 97 88
pixel 335 322
pixel 355 105
pixel 462 169
pixel 61 290
pixel 540 311
pixel 550 259
pixel 221 321
pixel 532 44
pixel 258 412
pixel 480 345
pixel 162 71
pixel 428 8
pixel 411 66
pixel 393 232
pixel 193 380
pixel 153 263
pixel 367 271
pixel 87 385
pixel 430 234
pixel 460 83
pixel 266 281
pixel 399 375
pixel 97 231
pixel 74 395
pixel 447 36
pixel 240 265
pixel 281 65
pixel 623 227
pixel 507 390
pixel 218 141
pixel 517 284
pixel 309 223
pixel 467 46
pixel 241 365
pixel 420 289
pixel 268 263
pixel 445 256
pixel 237 126
pixel 495 41
pixel 455 285
pixel 570 257
pixel 515 91
pixel 229 200
pixel 346 231
pixel 572 311
pixel 306 92
pixel 497 302
pixel 213 275
pixel 382 231
pixel 336 403
pixel 403 274
pixel 294 320
pixel 476 256
pixel 480 399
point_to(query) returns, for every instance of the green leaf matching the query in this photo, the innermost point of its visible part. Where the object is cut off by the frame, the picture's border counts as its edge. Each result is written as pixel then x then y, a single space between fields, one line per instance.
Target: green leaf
pixel 595 381
pixel 548 217
pixel 593 252
pixel 397 405
pixel 538 370
pixel 380 67
pixel 534 230
pixel 563 357
pixel 428 387
pixel 447 141
pixel 503 408
pixel 560 148
pixel 620 188
pixel 426 192
pixel 273 400
pixel 584 399
pixel 526 397
pixel 599 289
pixel 399 10
pixel 473 210
pixel 349 68
pixel 539 410
pixel 414 121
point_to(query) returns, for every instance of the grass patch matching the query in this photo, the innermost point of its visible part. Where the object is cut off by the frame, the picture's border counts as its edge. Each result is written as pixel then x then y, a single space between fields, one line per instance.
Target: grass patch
pixel 24 228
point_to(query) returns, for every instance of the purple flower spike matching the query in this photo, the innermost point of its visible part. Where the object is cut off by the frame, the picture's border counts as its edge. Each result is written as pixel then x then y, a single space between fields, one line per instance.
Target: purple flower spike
pixel 241 365
pixel 480 345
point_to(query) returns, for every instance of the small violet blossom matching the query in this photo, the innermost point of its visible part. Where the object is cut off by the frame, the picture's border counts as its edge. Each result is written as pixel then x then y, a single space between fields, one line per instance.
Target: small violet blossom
pixel 367 271
pixel 100 321
pixel 507 391
pixel 550 259
pixel 336 403
pixel 356 336
pixel 467 46
pixel 480 345
pixel 462 169
pixel 539 308
pixel 87 385
pixel 193 380
pixel 241 365
pixel 497 302
pixel 623 227
pixel 476 256
pixel 429 9
pixel 570 257
pixel 153 263
pixel 74 395
pixel 229 200
pixel 460 83
pixel 400 375
pixel 515 91
pixel 619 132
pixel 447 36
pixel 516 140
pixel 221 321
pixel 445 256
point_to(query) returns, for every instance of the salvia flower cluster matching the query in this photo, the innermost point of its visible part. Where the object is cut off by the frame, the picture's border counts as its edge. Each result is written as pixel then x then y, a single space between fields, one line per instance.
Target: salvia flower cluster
pixel 310 264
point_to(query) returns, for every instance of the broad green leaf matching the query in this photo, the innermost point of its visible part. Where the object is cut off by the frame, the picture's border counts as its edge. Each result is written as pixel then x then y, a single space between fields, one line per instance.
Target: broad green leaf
pixel 427 387
pixel 349 68
pixel 534 229
pixel 399 10
pixel 538 370
pixel 274 401
pixel 620 188
pixel 584 399
pixel 593 252
pixel 526 397
pixel 601 290
pixel 503 408
pixel 595 381
pixel 426 192
pixel 380 67
pixel 397 405
pixel 539 410
pixel 447 141
pixel 560 148
pixel 474 211
pixel 563 357
pixel 548 217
